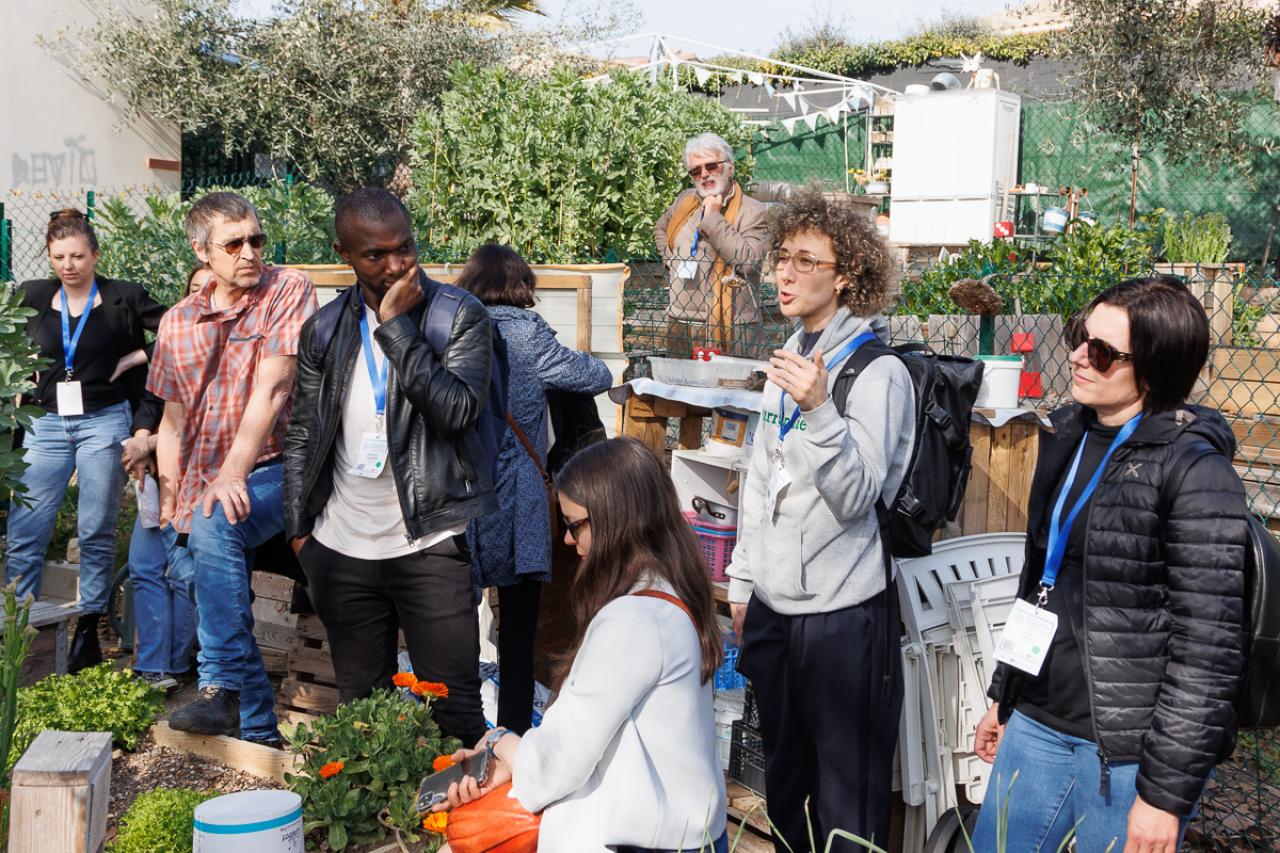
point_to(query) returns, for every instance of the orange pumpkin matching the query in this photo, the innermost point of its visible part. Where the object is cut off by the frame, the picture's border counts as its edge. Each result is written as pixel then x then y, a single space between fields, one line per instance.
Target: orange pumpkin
pixel 495 823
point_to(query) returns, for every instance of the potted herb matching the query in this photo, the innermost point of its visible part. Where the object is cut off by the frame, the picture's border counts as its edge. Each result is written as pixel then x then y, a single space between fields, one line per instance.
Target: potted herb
pixel 1196 249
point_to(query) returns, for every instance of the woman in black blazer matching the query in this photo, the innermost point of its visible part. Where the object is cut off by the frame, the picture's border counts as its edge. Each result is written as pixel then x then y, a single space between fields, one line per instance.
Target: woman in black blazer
pixel 91 332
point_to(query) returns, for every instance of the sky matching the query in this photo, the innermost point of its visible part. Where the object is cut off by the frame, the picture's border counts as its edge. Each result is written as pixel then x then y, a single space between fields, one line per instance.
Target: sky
pixel 754 26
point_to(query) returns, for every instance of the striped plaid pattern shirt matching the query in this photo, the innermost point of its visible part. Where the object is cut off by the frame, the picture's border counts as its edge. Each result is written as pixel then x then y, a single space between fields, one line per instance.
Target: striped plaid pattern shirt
pixel 207 360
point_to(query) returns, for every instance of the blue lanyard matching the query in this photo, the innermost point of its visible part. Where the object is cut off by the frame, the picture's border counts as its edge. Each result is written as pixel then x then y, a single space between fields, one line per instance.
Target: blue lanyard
pixel 70 341
pixel 785 424
pixel 376 378
pixel 1059 531
pixel 697 238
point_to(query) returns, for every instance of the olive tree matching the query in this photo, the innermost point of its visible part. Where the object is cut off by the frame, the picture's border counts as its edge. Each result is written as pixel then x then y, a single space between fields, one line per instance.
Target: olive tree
pixel 1178 76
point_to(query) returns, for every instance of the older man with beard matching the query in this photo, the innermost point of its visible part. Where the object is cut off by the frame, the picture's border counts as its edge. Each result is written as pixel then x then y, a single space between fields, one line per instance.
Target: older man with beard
pixel 713 235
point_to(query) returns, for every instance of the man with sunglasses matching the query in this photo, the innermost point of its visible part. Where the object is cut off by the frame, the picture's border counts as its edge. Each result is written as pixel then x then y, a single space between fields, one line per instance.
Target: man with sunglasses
pixel 224 365
pixel 713 234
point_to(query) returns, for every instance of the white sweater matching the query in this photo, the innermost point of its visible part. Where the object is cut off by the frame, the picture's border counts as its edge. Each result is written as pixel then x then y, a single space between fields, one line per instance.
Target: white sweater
pixel 627 753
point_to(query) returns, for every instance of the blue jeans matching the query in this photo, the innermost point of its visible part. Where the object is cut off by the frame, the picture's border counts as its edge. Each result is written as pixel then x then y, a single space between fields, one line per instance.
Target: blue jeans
pixel 163 579
pixel 1057 787
pixel 229 655
pixel 56 446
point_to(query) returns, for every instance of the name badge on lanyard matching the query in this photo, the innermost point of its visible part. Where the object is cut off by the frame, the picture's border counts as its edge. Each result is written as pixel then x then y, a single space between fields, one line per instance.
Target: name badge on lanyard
pixel 70 396
pixel 779 477
pixel 687 269
pixel 371 461
pixel 1028 635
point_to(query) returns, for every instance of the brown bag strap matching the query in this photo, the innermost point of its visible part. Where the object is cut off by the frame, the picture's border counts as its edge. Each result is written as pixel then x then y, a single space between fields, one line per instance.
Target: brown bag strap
pixel 542 470
pixel 666 596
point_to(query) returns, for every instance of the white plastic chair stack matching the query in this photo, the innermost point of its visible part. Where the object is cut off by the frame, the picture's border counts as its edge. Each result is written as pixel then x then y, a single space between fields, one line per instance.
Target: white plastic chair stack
pixel 945 670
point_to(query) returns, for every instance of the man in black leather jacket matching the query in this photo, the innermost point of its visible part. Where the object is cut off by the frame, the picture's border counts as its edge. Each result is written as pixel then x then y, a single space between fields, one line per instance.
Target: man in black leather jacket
pixel 385 549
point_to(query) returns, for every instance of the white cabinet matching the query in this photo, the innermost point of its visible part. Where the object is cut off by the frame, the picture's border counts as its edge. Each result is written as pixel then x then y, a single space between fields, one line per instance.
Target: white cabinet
pixel 700 474
pixel 955 156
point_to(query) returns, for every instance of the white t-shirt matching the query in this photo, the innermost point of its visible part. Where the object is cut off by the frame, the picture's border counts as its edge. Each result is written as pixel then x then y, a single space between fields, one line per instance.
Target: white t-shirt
pixel 362 517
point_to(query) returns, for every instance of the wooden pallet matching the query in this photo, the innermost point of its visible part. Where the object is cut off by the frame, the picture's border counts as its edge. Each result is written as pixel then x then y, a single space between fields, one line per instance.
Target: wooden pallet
pixel 273 624
pixel 309 688
pixel 747 823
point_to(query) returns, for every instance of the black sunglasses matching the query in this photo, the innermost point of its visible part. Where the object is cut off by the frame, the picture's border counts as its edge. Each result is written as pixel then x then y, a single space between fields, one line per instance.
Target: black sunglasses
pixel 233 247
pixel 574 526
pixel 1101 354
pixel 713 168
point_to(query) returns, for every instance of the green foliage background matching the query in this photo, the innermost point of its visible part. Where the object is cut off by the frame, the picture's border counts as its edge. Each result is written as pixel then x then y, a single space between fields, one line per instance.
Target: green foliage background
pixel 560 170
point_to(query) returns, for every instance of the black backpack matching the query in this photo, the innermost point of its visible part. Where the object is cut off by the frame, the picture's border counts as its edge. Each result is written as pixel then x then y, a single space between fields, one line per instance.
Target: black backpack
pixel 441 311
pixel 1258 705
pixel 941 458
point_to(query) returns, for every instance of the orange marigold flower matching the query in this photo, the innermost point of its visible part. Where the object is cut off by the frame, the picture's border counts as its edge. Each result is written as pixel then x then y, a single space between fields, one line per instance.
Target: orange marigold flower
pixel 431 688
pixel 404 679
pixel 333 768
pixel 436 822
pixel 442 762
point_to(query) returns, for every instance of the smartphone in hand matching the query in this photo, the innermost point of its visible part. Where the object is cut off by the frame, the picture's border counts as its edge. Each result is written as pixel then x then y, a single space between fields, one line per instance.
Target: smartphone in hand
pixel 435 788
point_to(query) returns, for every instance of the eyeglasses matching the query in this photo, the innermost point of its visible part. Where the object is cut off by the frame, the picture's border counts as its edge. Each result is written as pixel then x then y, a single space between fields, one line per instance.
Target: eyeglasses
pixel 233 247
pixel 800 263
pixel 712 168
pixel 1101 354
pixel 574 526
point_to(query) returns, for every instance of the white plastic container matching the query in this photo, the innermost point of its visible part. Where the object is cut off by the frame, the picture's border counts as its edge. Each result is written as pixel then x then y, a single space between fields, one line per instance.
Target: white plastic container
pixel 1055 220
pixel 1000 377
pixel 261 821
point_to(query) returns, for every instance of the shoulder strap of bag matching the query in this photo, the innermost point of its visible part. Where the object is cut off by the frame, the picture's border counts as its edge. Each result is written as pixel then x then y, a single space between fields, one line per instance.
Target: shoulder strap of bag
pixel 1178 472
pixel 542 471
pixel 666 596
pixel 441 312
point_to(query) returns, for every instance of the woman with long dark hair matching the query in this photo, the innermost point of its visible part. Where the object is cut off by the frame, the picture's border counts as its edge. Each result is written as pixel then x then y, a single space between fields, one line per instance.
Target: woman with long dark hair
pixel 92 332
pixel 512 546
pixel 625 759
pixel 1122 660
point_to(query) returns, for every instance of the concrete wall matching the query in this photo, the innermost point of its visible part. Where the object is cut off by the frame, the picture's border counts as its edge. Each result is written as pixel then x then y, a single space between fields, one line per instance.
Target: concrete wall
pixel 59 132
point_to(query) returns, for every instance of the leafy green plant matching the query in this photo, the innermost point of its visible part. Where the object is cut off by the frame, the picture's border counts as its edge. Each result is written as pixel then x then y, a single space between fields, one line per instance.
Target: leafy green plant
pixel 928 294
pixel 150 246
pixel 16 636
pixel 1191 239
pixel 1244 323
pixel 561 170
pixel 18 363
pixel 98 699
pixel 361 768
pixel 159 821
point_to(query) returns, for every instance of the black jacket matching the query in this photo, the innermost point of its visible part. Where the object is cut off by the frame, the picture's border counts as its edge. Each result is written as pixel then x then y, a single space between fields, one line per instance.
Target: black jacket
pixel 1163 598
pixel 130 311
pixel 433 405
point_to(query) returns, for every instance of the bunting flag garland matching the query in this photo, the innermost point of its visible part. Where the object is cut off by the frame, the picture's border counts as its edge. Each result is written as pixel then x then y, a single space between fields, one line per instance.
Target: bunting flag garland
pixel 811 120
pixel 790 124
pixel 789 98
pixel 756 78
pixel 768 89
pixel 833 114
pixel 701 74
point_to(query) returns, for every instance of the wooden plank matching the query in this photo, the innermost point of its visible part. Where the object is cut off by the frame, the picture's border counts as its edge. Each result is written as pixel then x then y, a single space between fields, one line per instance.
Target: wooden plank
pixel 273 586
pixel 292 716
pixel 1255 365
pixel 1262 431
pixel 237 754
pixel 60 581
pixel 48 613
pixel 60 792
pixel 310 627
pixel 41 658
pixel 1244 397
pixel 314 662
pixel 1022 465
pixel 275 661
pixel 690 433
pixel 267 611
pixel 974 515
pixel 275 637
pixel 307 697
pixel 583 341
pixel 745 804
pixel 998 494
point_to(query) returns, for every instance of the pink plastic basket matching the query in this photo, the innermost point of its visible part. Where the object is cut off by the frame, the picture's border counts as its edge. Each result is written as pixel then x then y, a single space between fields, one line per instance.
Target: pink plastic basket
pixel 716 541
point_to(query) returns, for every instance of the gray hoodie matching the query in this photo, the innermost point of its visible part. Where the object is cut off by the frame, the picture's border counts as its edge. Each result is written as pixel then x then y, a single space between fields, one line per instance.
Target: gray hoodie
pixel 821 549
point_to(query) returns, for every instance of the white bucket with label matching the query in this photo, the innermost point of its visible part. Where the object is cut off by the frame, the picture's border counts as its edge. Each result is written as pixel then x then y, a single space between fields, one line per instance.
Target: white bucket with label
pixel 1000 377
pixel 261 821
pixel 1055 220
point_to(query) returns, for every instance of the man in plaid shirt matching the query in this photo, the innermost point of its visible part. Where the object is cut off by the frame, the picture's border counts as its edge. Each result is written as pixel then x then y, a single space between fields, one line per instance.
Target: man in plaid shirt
pixel 224 365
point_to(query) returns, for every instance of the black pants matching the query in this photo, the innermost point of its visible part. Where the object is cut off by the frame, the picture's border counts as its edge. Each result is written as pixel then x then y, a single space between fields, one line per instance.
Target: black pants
pixel 829 728
pixel 427 594
pixel 517 625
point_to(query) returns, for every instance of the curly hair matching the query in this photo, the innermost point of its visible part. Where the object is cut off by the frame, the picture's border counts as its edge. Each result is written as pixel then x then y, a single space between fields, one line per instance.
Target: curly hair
pixel 861 255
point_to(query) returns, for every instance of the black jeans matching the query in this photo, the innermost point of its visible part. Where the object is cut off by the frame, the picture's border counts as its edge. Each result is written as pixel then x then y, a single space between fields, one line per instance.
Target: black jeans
pixel 829 730
pixel 517 626
pixel 429 595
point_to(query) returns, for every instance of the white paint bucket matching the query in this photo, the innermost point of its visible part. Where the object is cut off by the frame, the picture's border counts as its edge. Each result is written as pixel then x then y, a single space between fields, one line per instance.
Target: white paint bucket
pixel 261 821
pixel 1055 220
pixel 1000 377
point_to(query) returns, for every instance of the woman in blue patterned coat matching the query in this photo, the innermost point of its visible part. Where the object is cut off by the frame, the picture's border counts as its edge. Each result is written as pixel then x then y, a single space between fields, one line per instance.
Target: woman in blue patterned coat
pixel 512 546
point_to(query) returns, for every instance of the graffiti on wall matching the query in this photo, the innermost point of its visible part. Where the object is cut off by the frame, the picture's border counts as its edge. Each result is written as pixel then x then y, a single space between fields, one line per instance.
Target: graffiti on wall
pixel 73 166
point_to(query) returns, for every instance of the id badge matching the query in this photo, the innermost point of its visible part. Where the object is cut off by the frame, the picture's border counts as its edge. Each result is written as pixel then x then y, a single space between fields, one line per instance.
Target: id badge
pixel 779 479
pixel 70 400
pixel 373 456
pixel 687 269
pixel 1026 638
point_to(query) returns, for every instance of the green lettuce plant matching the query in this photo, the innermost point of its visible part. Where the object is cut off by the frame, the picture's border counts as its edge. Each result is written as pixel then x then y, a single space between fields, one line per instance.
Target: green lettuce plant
pixel 159 821
pixel 1191 239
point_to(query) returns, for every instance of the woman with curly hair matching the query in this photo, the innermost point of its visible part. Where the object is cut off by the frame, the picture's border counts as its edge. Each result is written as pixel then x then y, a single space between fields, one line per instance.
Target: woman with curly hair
pixel 807 577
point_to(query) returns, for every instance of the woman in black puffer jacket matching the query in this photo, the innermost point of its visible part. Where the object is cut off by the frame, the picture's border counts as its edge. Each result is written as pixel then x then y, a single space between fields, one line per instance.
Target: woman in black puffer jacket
pixel 1135 543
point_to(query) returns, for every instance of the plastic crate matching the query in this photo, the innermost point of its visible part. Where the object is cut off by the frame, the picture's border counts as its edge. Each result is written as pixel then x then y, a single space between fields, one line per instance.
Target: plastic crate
pixel 746 757
pixel 727 676
pixel 716 542
pixel 750 709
